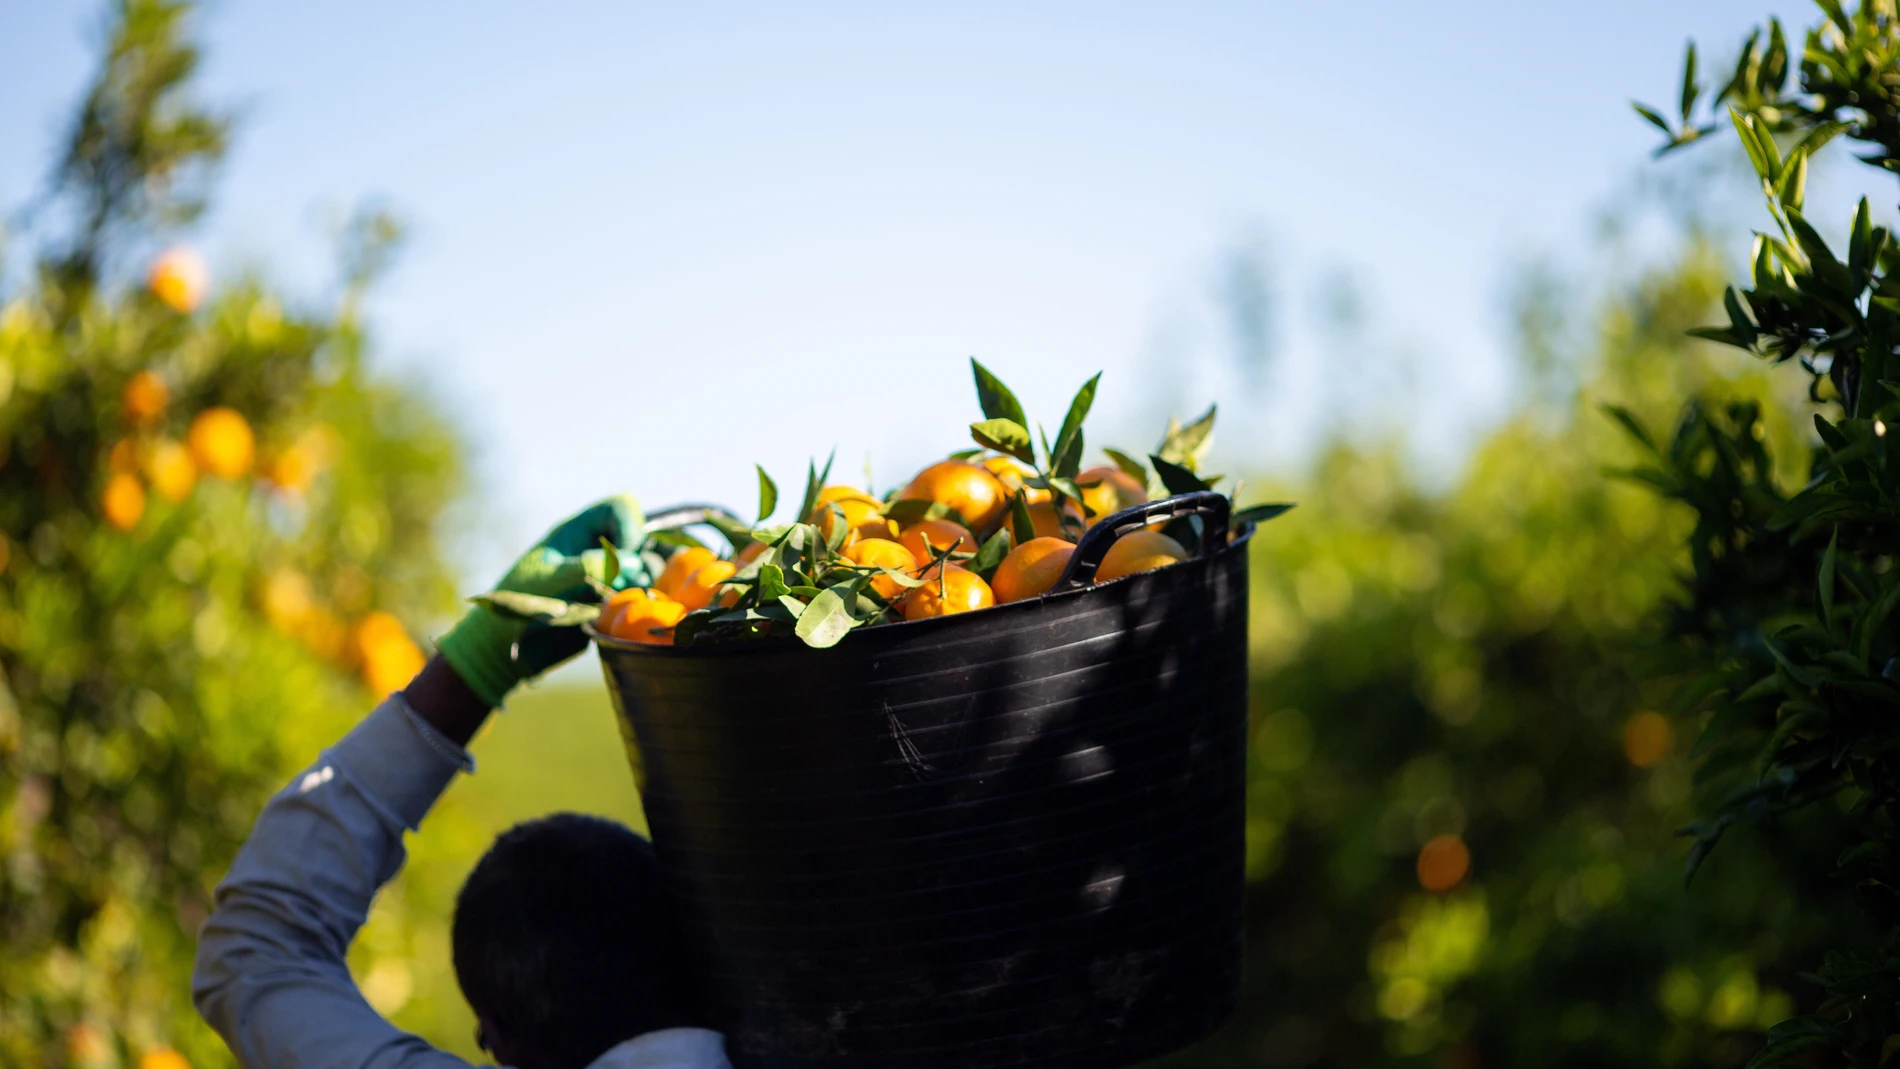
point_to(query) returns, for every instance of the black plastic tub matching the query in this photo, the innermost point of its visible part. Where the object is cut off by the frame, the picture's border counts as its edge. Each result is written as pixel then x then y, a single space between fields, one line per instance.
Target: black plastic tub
pixel 1004 838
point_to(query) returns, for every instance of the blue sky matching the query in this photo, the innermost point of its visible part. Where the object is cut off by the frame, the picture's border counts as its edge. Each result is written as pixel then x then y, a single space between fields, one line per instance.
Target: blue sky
pixel 652 244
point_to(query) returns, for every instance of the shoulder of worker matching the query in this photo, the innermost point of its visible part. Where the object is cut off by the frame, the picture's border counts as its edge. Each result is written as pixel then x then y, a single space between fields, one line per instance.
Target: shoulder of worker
pixel 668 1048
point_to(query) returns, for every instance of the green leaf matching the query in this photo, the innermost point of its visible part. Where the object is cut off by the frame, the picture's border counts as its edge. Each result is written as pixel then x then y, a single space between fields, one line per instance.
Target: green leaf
pixel 1185 445
pixel 1826 581
pixel 1793 184
pixel 1745 129
pixel 1066 460
pixel 826 620
pixel 966 454
pixel 1810 240
pixel 1130 467
pixel 1634 426
pixel 1021 522
pixel 610 560
pixel 1738 320
pixel 772 583
pixel 992 554
pixel 768 494
pixel 1650 114
pixel 792 605
pixel 814 483
pixel 1178 479
pixel 1861 248
pixel 994 397
pixel 1689 89
pixel 534 608
pixel 1005 436
pixel 1064 486
pixel 1258 514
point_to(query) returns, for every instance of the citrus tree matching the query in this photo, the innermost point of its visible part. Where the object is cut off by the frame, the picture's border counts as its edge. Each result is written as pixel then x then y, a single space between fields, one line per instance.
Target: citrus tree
pixel 1790 621
pixel 218 533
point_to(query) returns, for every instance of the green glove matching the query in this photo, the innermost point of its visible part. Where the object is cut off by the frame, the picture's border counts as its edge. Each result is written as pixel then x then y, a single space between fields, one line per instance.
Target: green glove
pixel 492 654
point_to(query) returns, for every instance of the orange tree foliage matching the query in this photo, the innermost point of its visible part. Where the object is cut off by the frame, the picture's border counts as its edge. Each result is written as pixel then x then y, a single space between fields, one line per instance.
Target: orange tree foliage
pixel 218 533
pixel 1789 623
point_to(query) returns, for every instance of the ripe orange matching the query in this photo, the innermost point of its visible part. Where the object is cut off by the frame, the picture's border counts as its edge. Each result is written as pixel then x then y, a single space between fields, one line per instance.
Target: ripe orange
pixel 179 278
pixel 1139 551
pixel 840 493
pixel 221 442
pixel 1114 490
pixel 1011 472
pixel 926 535
pixel 1031 569
pixel 972 490
pixel 638 618
pixel 145 397
pixel 172 470
pixel 698 590
pixel 123 501
pixel 956 590
pixel 389 657
pixel 293 469
pixel 1043 515
pixel 863 518
pixel 749 554
pixel 163 1058
pixel 883 553
pixel 1443 863
pixel 679 568
pixel 609 609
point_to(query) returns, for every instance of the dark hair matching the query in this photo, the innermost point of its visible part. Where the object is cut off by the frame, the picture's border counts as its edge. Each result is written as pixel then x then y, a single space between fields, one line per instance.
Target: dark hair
pixel 564 940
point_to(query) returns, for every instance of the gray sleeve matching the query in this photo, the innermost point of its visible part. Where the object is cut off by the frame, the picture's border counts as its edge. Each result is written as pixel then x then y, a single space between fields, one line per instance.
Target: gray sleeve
pixel 270 975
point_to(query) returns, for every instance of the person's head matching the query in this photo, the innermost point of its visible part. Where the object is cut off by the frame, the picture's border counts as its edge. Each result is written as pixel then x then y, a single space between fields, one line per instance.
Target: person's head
pixel 564 943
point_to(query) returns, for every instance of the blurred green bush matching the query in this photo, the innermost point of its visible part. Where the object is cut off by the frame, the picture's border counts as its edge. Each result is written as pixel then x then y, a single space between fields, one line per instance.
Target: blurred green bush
pixel 218 528
pixel 1464 793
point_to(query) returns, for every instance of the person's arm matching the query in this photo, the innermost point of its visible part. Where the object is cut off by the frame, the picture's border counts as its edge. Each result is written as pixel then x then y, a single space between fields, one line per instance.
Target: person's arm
pixel 271 974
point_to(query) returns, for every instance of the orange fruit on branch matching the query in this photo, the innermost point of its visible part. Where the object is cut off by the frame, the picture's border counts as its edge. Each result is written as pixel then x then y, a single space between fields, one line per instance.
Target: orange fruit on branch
pixel 954 590
pixel 883 553
pixel 172 470
pixel 180 279
pixel 222 443
pixel 1107 490
pixel 1139 551
pixel 972 490
pixel 123 501
pixel 144 398
pixel 1031 569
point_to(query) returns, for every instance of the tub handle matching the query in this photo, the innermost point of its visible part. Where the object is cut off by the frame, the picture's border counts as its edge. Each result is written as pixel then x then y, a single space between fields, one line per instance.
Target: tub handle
pixel 1213 508
pixel 687 515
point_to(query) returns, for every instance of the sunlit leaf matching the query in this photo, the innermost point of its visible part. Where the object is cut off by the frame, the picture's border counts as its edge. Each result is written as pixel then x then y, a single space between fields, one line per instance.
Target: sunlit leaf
pixel 995 398
pixel 1130 467
pixel 768 494
pixel 1005 436
pixel 825 620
